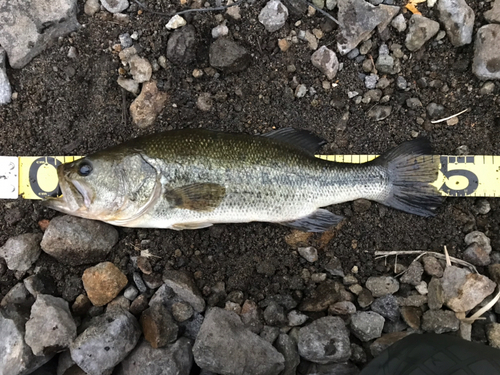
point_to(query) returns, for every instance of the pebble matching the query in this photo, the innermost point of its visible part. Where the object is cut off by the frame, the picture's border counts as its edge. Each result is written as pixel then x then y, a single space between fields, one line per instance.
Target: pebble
pixel 387 306
pixel 158 326
pixel 399 23
pixel 365 298
pixel 379 112
pixel 482 206
pixel 108 340
pixel 325 340
pixel 367 325
pixel 273 16
pixel 371 81
pixel 385 64
pixel 22 251
pixel 323 296
pixel 175 358
pixel 382 285
pixel 462 291
pixel 228 56
pixel 383 83
pixel 440 321
pixel 422 288
pixel 458 20
pixel 413 103
pixel 420 31
pixel 487 52
pixel 103 282
pixel 5 88
pixel 140 69
pixel 75 241
pixel 487 88
pixel 308 253
pixel 248 350
pixel 204 102
pixel 353 54
pixel 270 334
pixel 119 302
pixel 234 12
pixel 435 294
pixel 479 238
pixel 415 300
pixel 220 30
pixel 50 328
pixel 181 46
pixel 175 22
pixel 274 315
pixel 115 6
pixel 412 316
pixel 296 318
pixel 288 348
pixel 18 295
pixel 366 47
pixel 435 110
pixel 401 83
pixel 125 40
pixel 145 109
pixel 493 334
pixel 91 7
pixel 311 39
pixel 326 61
pixel 358 354
pixel 184 286
pixel 300 91
pixel 493 15
pixel 127 53
pixel 476 255
pixel 81 305
pixel 182 311
pixel 342 308
pixel 139 304
pixel 129 84
pixel 413 274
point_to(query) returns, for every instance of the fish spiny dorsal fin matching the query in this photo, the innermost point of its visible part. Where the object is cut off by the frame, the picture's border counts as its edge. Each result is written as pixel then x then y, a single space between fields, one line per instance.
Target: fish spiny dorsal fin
pixel 303 139
pixel 196 197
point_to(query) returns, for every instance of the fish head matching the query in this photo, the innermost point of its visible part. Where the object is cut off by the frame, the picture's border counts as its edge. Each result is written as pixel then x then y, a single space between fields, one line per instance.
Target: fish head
pixel 107 187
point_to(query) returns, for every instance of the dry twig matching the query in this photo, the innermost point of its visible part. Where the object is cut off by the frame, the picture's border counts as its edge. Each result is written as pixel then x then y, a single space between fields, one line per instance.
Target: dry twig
pixel 450 117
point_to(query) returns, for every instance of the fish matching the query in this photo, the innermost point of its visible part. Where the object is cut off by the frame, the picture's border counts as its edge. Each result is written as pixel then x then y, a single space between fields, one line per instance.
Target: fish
pixel 194 178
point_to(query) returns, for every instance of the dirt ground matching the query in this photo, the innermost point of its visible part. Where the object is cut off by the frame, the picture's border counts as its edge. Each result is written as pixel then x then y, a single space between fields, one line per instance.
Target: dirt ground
pixel 75 107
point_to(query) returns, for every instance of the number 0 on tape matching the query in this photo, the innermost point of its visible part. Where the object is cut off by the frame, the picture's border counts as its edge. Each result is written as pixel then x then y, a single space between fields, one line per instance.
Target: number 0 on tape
pixel 35 177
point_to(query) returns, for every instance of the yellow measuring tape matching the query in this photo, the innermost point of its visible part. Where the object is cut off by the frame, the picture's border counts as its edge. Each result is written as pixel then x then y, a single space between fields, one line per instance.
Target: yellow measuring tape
pixel 35 177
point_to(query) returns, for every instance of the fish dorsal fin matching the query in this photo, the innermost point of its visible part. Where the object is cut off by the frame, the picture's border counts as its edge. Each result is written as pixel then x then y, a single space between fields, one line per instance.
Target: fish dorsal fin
pixel 303 139
pixel 196 197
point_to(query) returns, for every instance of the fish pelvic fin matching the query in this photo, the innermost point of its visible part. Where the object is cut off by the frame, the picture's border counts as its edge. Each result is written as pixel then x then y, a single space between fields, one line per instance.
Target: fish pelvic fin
pixel 319 221
pixel 411 170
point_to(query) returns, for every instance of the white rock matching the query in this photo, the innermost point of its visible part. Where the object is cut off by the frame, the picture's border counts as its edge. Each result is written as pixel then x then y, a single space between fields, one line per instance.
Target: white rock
pixel 115 6
pixel 91 7
pixel 399 23
pixel 129 85
pixel 175 22
pixel 140 68
pixel 22 251
pixel 273 16
pixel 220 30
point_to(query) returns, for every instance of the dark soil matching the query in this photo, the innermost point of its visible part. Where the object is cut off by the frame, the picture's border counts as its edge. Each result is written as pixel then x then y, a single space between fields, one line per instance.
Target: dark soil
pixel 75 107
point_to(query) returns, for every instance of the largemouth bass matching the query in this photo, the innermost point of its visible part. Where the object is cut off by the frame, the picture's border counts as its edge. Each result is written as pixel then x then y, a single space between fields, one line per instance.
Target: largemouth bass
pixel 193 178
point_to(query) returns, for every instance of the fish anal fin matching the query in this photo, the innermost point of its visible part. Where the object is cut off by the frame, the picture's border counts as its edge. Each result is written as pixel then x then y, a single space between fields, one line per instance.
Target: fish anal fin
pixel 302 139
pixel 196 197
pixel 193 225
pixel 319 221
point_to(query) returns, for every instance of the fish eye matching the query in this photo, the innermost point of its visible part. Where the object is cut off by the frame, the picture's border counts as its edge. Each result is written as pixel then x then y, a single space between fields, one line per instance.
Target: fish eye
pixel 84 169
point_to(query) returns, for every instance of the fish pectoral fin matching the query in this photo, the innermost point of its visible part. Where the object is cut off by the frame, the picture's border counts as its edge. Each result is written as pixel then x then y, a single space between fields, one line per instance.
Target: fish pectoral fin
pixel 319 221
pixel 194 225
pixel 302 139
pixel 196 197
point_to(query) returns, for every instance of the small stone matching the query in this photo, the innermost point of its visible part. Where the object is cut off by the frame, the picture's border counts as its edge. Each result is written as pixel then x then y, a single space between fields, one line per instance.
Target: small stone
pixel 295 318
pixel 385 64
pixel 325 340
pixel 184 286
pixel 127 53
pixel 379 112
pixel 483 207
pixel 326 60
pixel 458 20
pixel 493 334
pixel 103 282
pixel 479 238
pixel 308 253
pixel 144 265
pixel 358 354
pixel 273 16
pixel 371 81
pixel 415 300
pixel 399 23
pixel 288 348
pixel 413 274
pixel 270 334
pixel 131 293
pixel 383 83
pixel 158 326
pixel 486 64
pixel 129 84
pixel 119 302
pixel 140 68
pixel 106 342
pixel 324 295
pixel 432 266
pixel 412 316
pixel 91 7
pixel 148 105
pixel 387 306
pixel 22 251
pixel 440 321
pixel 204 102
pixel 300 91
pixel 50 328
pixel 401 83
pixel 181 46
pixel 284 45
pixel 139 304
pixel 435 110
pixel 5 87
pixel 255 355
pixel 476 255
pixel 365 298
pixel 382 285
pixel 125 40
pixel 422 288
pixel 234 12
pixel 220 30
pixel 342 308
pixel 18 295
pixel 353 54
pixel 228 56
pixel 420 31
pixel 413 103
pixel 493 15
pixel 175 22
pixel 274 315
pixel 115 6
pixel 182 311
pixel 367 325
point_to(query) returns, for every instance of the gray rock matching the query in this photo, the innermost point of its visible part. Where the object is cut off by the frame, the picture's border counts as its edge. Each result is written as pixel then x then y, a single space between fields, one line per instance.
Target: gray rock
pixel 353 54
pixel 323 296
pixel 106 342
pixel 413 274
pixel 248 354
pixel 115 6
pixel 367 325
pixel 458 20
pixel 288 347
pixel 387 306
pixel 371 81
pixel 5 89
pixel 274 315
pixel 480 238
pixel 18 295
pixel 325 340
pixel 131 293
pixel 415 300
pixel 435 110
pixel 22 251
pixel 309 253
pixel 440 321
pixel 182 311
pixel 435 294
pixel 389 12
pixel 296 318
pixel 270 334
pixel 296 7
pixel 91 7
pixel 273 16
pixel 139 283
pixel 413 103
pixel 420 31
pixel 385 64
pixel 365 298
pixel 184 286
pixel 401 83
pixel 486 63
pixel 432 266
pixel 493 15
pixel 382 285
pixel 358 19
pixel 342 308
pixel 181 46
pixel 379 112
pixel 27 28
pixel 50 328
pixel 175 358
pixel 358 354
pixel 476 255
pixel 462 290
pixel 125 40
pixel 482 206
pixel 228 56
pixel 158 326
pixel 487 89
pixel 16 357
pixel 192 326
pixel 326 60
pixel 399 23
pixel 75 241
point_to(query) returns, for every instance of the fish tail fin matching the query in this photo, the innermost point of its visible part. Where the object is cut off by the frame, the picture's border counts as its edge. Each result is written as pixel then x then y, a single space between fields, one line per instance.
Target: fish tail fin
pixel 412 169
